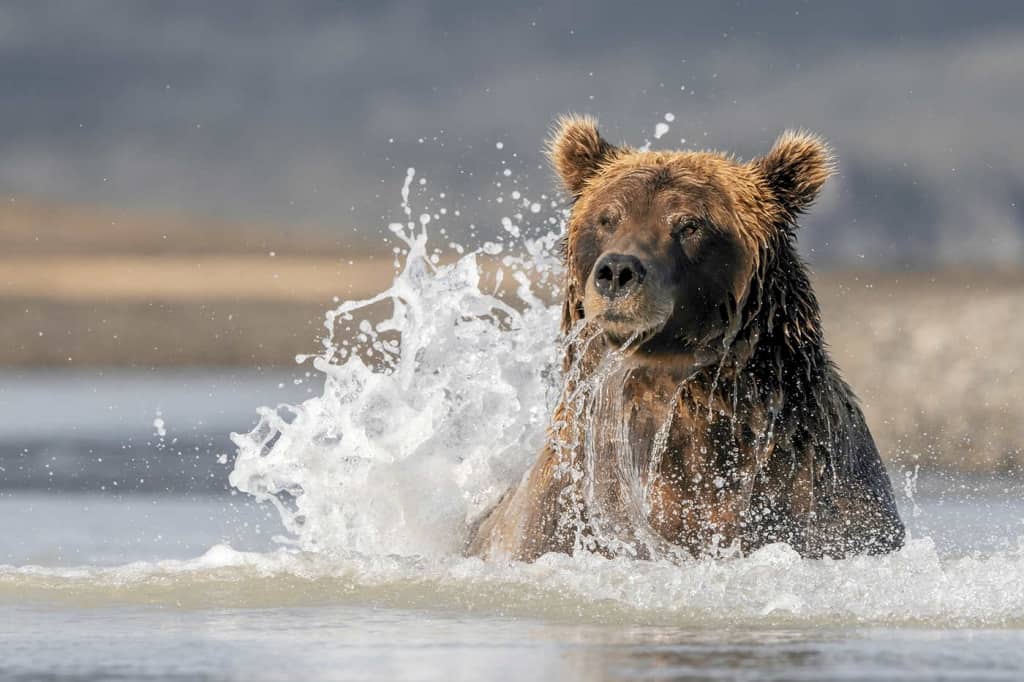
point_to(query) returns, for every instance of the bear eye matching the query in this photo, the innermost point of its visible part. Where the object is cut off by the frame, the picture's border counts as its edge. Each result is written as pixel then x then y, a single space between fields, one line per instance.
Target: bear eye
pixel 605 220
pixel 685 228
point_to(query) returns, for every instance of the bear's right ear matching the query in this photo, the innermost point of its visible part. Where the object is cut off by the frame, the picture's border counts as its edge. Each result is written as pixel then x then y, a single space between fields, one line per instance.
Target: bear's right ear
pixel 796 168
pixel 577 150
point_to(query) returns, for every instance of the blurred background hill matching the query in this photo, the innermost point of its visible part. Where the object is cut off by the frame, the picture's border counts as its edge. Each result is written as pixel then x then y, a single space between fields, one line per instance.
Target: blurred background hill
pixel 185 188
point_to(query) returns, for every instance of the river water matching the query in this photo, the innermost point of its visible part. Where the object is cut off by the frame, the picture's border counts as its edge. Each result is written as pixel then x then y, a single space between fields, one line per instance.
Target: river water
pixel 151 586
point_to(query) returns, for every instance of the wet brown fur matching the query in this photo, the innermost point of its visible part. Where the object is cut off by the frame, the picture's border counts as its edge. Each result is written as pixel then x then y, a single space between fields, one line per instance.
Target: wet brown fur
pixel 763 440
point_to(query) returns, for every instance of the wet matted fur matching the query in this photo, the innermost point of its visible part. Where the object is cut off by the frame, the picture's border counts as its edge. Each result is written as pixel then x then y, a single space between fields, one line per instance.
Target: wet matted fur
pixel 701 410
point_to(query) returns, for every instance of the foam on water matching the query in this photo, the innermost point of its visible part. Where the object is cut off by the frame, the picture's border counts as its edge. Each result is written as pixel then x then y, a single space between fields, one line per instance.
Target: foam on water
pixel 770 587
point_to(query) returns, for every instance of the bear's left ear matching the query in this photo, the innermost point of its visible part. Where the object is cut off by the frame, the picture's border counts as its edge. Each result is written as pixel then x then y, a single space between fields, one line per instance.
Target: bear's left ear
pixel 796 168
pixel 577 150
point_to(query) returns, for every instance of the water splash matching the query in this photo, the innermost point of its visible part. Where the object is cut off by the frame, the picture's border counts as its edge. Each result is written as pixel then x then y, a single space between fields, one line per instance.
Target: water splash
pixel 436 399
pixel 661 128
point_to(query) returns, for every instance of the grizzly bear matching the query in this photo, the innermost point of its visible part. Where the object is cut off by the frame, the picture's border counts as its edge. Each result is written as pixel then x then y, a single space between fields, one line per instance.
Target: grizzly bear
pixel 701 413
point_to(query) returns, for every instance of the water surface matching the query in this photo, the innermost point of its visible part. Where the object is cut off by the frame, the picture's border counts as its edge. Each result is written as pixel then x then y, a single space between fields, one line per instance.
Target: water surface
pixel 145 586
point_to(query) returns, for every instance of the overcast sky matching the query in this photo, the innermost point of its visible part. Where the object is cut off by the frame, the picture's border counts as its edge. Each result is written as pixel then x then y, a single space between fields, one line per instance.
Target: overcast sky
pixel 309 113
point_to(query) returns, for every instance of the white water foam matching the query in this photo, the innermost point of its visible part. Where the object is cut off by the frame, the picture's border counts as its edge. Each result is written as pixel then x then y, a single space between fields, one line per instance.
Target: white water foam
pixel 427 416
pixel 773 586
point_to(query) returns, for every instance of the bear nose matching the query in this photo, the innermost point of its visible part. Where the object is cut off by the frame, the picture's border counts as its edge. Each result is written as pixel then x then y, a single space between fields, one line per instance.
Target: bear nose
pixel 618 274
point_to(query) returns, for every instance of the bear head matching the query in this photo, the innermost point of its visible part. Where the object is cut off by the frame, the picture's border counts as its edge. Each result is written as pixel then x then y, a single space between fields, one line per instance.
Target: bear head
pixel 662 248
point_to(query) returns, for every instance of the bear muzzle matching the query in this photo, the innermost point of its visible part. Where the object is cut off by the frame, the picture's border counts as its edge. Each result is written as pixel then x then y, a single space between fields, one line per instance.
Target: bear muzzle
pixel 626 296
pixel 618 274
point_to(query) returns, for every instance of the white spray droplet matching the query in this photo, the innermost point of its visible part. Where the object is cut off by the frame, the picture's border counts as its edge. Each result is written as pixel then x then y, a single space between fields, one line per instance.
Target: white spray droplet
pixel 510 227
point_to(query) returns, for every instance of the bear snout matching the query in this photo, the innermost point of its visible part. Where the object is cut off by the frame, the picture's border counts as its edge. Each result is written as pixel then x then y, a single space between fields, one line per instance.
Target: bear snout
pixel 618 274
